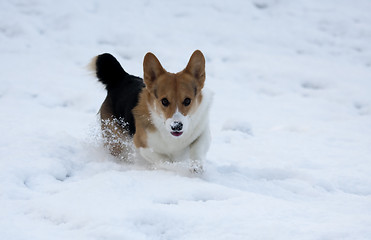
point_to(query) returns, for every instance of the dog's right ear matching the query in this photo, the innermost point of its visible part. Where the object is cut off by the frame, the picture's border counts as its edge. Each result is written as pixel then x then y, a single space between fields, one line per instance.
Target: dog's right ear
pixel 152 69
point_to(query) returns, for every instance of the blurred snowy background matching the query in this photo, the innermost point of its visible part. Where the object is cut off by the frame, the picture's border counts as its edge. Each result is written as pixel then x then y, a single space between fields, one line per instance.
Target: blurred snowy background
pixel 291 120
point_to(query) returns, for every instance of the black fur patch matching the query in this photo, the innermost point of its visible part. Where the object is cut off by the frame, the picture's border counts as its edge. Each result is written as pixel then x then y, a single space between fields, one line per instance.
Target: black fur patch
pixel 122 88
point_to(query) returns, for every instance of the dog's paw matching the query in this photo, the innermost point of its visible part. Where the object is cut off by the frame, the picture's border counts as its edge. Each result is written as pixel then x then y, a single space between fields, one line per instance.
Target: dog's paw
pixel 196 167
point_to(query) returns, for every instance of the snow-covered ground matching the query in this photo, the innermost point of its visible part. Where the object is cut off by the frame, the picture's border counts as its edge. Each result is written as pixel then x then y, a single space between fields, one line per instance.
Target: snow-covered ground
pixel 291 120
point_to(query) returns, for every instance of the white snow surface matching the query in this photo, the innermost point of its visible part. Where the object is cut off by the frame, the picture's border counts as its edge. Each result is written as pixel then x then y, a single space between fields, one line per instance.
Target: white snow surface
pixel 291 120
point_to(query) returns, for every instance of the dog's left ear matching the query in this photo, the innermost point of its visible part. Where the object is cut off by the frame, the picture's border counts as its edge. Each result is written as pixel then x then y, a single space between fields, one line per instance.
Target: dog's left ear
pixel 196 67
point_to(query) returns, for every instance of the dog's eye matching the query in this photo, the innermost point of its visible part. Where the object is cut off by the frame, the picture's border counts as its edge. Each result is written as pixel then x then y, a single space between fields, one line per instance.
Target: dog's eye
pixel 186 101
pixel 165 102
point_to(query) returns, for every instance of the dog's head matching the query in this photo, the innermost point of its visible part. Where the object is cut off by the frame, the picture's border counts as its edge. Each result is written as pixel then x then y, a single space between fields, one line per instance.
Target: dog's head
pixel 173 97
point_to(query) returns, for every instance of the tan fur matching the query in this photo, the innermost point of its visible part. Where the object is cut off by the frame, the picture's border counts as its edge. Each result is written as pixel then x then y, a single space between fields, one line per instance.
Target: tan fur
pixel 161 84
pixel 116 139
pixel 142 120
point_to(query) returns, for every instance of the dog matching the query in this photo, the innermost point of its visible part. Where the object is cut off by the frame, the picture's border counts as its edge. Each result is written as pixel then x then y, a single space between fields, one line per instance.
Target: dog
pixel 164 115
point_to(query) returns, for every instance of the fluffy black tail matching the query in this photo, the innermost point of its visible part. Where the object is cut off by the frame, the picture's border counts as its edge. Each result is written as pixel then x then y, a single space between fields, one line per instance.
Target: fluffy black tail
pixel 108 70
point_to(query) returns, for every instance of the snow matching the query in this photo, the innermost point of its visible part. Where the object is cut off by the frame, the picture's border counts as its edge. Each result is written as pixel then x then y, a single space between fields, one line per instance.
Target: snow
pixel 291 120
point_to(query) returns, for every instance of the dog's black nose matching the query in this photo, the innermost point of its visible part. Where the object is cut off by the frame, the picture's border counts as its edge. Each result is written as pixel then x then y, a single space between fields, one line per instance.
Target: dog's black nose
pixel 177 126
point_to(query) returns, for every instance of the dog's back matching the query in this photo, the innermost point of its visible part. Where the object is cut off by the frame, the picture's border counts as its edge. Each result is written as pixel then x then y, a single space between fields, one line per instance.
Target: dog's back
pixel 117 120
pixel 122 90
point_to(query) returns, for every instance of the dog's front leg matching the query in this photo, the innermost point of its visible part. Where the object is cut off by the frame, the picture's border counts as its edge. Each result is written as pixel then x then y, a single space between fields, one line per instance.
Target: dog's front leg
pixel 198 150
pixel 153 157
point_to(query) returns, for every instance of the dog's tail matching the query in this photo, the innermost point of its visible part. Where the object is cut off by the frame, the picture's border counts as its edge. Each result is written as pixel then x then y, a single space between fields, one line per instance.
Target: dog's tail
pixel 107 69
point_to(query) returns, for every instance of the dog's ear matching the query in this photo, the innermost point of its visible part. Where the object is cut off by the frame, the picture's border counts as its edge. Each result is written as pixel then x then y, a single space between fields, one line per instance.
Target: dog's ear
pixel 196 67
pixel 152 69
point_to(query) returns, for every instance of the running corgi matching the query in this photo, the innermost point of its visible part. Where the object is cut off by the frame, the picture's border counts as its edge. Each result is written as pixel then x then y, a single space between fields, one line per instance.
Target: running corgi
pixel 165 115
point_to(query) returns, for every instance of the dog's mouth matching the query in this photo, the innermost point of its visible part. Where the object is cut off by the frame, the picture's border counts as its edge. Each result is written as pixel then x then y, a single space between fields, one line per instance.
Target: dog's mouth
pixel 176 133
